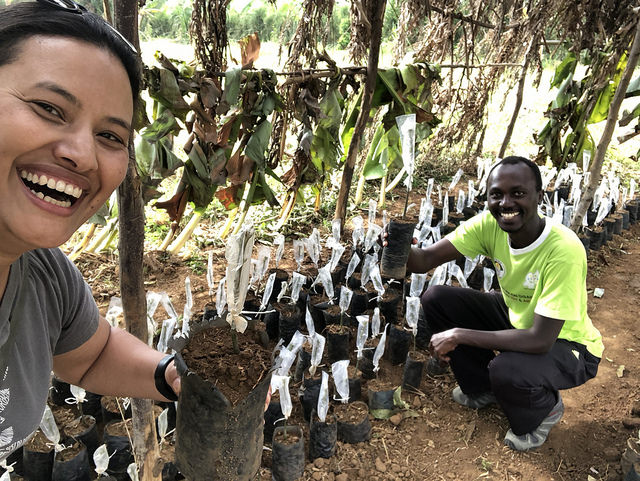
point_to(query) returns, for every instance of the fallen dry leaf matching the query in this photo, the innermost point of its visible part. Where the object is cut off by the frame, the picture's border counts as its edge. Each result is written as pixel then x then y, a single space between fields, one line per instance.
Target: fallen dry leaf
pixel 620 370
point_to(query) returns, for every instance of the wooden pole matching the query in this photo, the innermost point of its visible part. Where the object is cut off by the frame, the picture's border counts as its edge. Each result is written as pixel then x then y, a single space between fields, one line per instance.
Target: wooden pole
pixel 134 304
pixel 377 14
pixel 516 109
pixel 596 167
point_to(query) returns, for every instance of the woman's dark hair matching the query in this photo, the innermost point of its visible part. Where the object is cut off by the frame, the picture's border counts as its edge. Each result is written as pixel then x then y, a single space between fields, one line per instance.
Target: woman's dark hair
pixel 515 159
pixel 20 21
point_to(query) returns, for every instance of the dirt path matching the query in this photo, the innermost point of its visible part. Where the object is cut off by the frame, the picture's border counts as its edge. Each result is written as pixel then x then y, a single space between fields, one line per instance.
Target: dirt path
pixel 448 442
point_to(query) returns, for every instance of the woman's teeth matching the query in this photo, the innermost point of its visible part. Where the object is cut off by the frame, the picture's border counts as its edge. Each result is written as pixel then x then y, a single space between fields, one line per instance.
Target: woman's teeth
pixel 46 198
pixel 59 185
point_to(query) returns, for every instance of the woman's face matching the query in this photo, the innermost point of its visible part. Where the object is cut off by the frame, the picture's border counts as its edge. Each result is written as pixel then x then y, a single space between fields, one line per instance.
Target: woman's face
pixel 65 111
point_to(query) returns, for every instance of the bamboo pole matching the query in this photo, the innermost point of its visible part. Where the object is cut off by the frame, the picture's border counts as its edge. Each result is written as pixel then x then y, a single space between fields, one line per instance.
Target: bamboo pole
pixel 377 14
pixel 134 304
pixel 596 167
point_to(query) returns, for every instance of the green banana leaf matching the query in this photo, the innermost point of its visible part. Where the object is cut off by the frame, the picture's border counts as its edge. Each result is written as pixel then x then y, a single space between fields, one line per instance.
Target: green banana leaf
pixel 259 142
pixel 601 109
pixel 633 90
pixel 232 80
pixel 565 70
pixel 162 126
pixel 384 151
pixel 164 88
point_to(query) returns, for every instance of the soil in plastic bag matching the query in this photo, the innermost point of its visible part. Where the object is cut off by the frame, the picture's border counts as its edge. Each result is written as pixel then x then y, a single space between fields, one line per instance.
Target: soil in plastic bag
pixel 322 437
pixel 288 453
pixel 380 395
pixel 289 320
pixel 395 254
pixel 84 430
pixel 309 396
pixel 116 437
pixel 72 464
pixel 398 341
pixel 353 422
pixel 413 370
pixel 273 418
pixel 37 458
pixel 338 343
pixel 60 392
pixel 219 432
pixel 389 305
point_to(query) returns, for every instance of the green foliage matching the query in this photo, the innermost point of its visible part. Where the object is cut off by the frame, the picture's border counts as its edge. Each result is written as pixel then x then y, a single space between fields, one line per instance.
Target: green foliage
pixel 197 263
pixel 399 91
pixel 160 19
pixel 566 135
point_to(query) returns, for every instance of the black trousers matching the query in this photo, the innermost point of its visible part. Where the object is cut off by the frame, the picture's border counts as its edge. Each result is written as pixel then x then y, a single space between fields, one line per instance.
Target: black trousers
pixel 525 385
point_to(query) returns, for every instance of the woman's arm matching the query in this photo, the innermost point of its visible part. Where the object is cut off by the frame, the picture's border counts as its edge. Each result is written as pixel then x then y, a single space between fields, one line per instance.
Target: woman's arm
pixel 114 362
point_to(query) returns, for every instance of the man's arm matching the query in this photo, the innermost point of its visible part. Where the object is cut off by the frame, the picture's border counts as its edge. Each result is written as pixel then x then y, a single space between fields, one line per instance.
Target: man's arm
pixel 423 260
pixel 538 339
pixel 114 362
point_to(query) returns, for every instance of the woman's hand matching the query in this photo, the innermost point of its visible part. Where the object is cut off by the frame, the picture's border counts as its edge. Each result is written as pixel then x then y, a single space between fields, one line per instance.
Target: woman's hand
pixel 173 378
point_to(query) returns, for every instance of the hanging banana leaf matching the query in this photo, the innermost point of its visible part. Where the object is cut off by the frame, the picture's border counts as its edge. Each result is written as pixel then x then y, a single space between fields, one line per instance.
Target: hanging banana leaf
pixel 163 87
pixel 383 153
pixel 325 145
pixel 601 109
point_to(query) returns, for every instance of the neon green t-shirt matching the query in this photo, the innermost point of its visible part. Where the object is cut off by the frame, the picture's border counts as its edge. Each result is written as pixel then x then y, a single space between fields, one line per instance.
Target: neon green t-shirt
pixel 547 277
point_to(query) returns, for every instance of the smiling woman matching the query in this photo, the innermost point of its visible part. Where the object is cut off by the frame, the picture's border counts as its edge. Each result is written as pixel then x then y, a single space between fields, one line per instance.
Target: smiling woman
pixel 68 82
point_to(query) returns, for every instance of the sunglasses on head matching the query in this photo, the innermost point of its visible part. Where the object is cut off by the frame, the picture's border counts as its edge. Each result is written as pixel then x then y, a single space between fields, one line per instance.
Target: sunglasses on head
pixel 73 7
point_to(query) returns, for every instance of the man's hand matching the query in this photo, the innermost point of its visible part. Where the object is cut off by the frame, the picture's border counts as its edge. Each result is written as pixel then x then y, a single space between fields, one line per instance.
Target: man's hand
pixel 443 343
pixel 385 234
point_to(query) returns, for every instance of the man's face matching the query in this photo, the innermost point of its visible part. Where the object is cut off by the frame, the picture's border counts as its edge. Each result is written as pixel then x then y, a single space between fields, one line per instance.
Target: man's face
pixel 513 199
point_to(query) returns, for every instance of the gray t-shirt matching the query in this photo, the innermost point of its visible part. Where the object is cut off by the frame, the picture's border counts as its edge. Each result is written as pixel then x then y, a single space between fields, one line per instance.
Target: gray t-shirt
pixel 47 309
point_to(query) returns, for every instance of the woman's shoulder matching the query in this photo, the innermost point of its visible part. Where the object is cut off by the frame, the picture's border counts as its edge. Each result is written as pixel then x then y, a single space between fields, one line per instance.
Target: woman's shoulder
pixel 52 263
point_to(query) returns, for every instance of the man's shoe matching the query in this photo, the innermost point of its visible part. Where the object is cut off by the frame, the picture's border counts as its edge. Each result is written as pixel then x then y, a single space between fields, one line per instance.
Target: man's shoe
pixel 476 401
pixel 538 436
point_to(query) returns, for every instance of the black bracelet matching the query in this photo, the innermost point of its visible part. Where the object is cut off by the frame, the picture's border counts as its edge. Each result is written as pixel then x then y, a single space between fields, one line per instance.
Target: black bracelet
pixel 161 381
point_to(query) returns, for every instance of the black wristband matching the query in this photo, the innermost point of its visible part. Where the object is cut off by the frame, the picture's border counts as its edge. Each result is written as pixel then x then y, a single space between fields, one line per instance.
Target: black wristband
pixel 161 381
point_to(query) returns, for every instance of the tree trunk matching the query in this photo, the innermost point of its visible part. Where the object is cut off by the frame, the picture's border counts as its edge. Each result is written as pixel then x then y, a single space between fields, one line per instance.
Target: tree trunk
pixel 134 304
pixel 376 16
pixel 596 167
pixel 516 109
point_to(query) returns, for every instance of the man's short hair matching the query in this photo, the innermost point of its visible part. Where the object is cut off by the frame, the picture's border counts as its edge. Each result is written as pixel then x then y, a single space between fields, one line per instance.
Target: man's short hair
pixel 516 159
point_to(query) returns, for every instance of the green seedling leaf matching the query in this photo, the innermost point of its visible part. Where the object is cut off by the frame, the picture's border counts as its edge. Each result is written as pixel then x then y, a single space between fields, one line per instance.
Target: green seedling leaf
pixel 232 79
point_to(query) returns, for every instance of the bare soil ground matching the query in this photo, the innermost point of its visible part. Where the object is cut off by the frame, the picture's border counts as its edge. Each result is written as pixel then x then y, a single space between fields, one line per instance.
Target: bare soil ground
pixel 449 442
